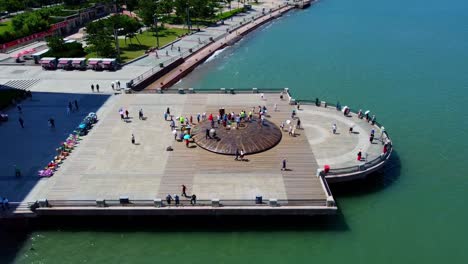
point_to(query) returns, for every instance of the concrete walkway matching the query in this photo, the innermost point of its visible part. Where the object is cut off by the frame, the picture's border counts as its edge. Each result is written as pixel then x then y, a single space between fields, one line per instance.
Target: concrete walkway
pixel 206 51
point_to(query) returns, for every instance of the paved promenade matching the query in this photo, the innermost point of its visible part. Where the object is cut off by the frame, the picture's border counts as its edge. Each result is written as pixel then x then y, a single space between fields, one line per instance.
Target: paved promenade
pixel 202 54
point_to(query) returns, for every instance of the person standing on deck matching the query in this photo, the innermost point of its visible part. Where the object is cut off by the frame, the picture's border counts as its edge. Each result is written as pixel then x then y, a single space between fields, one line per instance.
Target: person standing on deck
pixel 172 125
pixel 168 199
pixel 21 121
pixel 359 155
pixel 334 128
pixel 140 114
pixel 298 122
pixel 184 191
pixel 133 139
pixel 176 199
pixel 97 88
pixel 193 200
pixel 168 111
pixel 126 113
pixel 174 132
pixel 92 88
pixel 283 168
pixel 198 118
pixel 237 154
pixel 242 153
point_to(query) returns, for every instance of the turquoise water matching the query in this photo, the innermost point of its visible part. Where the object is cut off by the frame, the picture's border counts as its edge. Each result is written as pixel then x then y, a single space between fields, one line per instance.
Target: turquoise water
pixel 407 61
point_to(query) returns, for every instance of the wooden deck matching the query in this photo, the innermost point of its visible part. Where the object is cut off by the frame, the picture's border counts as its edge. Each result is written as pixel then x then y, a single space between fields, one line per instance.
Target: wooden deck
pixel 251 136
pixel 106 165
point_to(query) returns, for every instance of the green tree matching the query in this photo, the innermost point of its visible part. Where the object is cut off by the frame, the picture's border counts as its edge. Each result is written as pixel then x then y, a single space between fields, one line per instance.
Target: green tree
pixel 147 9
pixel 55 43
pixel 12 5
pixel 100 37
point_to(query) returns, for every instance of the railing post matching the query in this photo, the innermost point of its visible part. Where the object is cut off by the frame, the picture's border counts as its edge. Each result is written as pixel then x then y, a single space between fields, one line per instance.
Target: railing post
pixel 100 202
pixel 215 202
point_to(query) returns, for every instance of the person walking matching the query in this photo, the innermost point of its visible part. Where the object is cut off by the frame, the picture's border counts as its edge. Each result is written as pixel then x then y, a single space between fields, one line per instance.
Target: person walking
pixel 242 153
pixel 176 199
pixel 290 130
pixel 198 118
pixel 237 154
pixel 21 121
pixel 193 199
pixel 298 105
pixel 5 203
pixel 168 199
pixel 76 105
pixel 97 88
pixel 334 128
pixel 140 114
pixel 298 123
pixel 92 88
pixel 168 111
pixel 172 124
pixel 359 155
pixel 51 122
pixel 17 171
pixel 20 109
pixel 113 86
pixel 184 191
pixel 207 134
pixel 133 139
pixel 174 132
pixel 126 113
pixel 283 168
pixel 371 138
pixel 282 126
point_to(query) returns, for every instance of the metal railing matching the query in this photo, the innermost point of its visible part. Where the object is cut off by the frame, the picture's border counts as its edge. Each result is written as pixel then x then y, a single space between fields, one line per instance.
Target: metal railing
pixel 184 202
pixel 368 165
pixel 140 78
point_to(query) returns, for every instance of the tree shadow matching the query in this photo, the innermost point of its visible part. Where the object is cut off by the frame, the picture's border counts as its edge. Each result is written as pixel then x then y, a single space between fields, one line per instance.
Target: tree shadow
pixel 134 47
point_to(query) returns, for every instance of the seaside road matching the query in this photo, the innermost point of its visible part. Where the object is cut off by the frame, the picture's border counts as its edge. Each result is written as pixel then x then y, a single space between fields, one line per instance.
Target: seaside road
pixel 205 52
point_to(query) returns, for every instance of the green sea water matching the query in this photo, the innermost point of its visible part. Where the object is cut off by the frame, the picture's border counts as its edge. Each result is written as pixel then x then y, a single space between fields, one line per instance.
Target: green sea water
pixel 406 61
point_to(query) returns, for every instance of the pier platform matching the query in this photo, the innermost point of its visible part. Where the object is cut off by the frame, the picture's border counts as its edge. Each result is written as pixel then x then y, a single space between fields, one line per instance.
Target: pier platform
pixel 106 174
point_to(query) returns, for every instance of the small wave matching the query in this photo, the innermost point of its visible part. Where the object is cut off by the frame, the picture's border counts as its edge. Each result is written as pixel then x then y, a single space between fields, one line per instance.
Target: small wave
pixel 215 54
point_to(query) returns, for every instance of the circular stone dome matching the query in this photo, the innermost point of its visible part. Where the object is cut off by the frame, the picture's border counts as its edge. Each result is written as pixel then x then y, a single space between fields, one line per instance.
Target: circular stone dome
pixel 252 137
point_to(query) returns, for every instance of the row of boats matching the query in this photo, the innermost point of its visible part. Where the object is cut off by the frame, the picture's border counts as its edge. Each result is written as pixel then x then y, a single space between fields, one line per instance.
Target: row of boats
pixel 97 64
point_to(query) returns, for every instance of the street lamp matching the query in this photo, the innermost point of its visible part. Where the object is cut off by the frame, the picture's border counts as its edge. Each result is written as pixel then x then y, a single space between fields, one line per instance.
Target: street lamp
pixel 156 29
pixel 188 19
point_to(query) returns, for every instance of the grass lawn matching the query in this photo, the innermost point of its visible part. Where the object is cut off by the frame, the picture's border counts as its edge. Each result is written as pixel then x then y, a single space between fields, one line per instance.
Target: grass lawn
pixel 132 49
pixel 6 26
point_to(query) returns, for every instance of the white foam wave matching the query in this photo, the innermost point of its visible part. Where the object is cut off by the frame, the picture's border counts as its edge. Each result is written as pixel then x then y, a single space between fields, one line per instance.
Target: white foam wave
pixel 215 54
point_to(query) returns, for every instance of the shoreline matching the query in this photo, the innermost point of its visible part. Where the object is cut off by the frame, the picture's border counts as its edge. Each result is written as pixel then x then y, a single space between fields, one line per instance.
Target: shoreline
pixel 182 69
